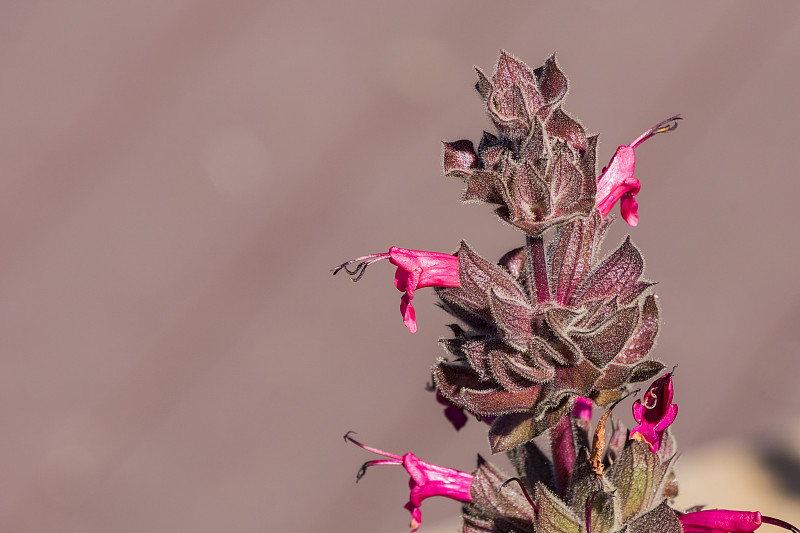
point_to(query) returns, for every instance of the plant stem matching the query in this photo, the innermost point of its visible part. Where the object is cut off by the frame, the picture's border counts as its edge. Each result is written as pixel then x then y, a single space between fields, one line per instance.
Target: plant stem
pixel 538 267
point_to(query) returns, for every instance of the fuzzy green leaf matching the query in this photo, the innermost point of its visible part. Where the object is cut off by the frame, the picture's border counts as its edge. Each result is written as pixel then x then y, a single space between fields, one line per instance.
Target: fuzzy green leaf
pixel 644 336
pixel 566 183
pixel 604 343
pixel 617 276
pixel 513 315
pixel 603 514
pixel 551 82
pixel 645 370
pixel 554 516
pixel 662 519
pixel 532 465
pixel 530 197
pixel 513 429
pixel 565 127
pixel 478 278
pixel 637 476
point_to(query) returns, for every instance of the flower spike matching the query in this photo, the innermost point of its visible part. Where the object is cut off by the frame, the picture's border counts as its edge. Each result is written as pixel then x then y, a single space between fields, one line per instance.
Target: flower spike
pixel 548 332
pixel 617 182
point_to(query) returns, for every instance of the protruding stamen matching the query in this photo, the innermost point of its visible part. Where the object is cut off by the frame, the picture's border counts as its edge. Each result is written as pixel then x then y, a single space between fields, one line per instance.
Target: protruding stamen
pixel 376 462
pixel 363 262
pixel 395 459
pixel 779 523
pixel 650 398
pixel 524 491
pixel 347 438
pixel 662 127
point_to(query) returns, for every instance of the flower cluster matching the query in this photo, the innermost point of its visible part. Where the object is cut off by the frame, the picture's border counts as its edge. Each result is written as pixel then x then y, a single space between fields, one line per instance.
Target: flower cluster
pixel 548 332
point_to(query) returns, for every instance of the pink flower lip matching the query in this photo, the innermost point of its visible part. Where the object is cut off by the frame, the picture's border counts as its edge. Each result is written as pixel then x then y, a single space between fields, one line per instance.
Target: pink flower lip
pixel 427 479
pixel 654 412
pixel 452 412
pixel 415 269
pixel 617 183
pixel 724 521
pixel 457 415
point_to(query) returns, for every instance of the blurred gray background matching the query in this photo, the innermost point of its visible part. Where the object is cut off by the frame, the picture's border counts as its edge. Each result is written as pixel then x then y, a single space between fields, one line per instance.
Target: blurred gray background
pixel 176 179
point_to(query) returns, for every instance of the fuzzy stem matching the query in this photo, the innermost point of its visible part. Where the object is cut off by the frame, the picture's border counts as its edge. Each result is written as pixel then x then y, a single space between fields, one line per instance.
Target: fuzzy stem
pixel 538 267
pixel 562 444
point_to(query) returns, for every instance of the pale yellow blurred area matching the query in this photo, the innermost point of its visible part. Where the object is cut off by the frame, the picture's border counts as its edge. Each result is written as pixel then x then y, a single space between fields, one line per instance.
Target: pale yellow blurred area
pixel 732 475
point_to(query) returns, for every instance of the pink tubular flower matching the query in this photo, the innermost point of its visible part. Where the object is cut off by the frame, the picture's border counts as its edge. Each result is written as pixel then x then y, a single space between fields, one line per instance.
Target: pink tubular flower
pixel 654 412
pixel 415 269
pixel 426 479
pixel 723 521
pixel 617 181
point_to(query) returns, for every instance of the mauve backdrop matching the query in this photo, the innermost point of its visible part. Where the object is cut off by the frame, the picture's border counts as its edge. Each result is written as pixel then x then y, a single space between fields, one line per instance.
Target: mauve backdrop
pixel 176 179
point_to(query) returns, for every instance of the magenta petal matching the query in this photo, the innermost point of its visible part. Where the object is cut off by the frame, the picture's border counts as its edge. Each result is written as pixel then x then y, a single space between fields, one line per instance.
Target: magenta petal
pixel 617 183
pixel 456 416
pixel 412 282
pixel 433 480
pixel 720 521
pixel 456 488
pixel 407 310
pixel 669 418
pixel 630 209
pixel 454 413
pixel 425 269
pixel 648 434
pixel 638 411
pixel 426 480
pixel 655 412
pixel 582 408
pixel 401 279
pixel 416 269
pixel 429 480
pixel 416 516
pixel 616 180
